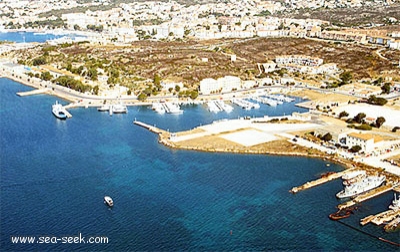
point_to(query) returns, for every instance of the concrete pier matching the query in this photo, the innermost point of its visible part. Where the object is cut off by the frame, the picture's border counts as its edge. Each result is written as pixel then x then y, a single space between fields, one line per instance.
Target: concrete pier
pixel 149 127
pixel 366 196
pixel 380 218
pixel 67 113
pixel 34 92
pixel 320 181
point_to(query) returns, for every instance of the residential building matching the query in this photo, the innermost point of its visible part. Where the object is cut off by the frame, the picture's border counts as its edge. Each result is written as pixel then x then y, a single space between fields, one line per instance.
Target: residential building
pixel 367 142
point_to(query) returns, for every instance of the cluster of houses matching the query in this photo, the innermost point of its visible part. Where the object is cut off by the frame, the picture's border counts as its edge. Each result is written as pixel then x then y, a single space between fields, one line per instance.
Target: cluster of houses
pixel 171 20
pixel 293 63
pixel 304 64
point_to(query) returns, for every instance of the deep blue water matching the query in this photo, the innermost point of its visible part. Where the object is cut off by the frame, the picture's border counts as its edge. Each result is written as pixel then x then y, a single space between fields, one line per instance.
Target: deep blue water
pixel 55 173
pixel 28 37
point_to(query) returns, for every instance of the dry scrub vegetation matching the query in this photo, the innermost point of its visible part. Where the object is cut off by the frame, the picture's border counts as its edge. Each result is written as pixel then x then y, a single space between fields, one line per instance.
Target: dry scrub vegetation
pixel 185 60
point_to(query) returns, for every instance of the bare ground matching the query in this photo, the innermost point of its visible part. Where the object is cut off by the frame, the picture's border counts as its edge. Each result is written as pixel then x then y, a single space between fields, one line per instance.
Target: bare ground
pixel 184 60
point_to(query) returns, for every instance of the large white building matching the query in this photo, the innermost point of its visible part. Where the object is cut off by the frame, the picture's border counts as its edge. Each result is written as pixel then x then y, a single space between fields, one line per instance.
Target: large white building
pixel 224 84
pixel 367 142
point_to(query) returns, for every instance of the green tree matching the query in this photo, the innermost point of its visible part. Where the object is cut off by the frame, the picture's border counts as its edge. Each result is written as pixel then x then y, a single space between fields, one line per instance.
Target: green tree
pixel 39 61
pixel 96 90
pixel 379 121
pixel 157 79
pixel 377 100
pixel 346 78
pixel 386 88
pixel 327 137
pixel 194 94
pixel 364 126
pixel 92 73
pixel 46 76
pixel 343 114
pixel 359 118
pixel 355 148
pixel 378 81
pixel 77 27
pixel 177 88
pixel 142 97
pixel 69 67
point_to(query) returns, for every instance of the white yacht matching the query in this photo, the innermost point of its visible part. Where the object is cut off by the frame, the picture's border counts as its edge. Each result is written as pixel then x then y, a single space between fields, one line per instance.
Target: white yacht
pixel 172 108
pixel 119 108
pixel 366 184
pixel 59 111
pixel 395 203
pixel 158 107
pixel 108 201
pixel 212 107
pixel 105 107
pixel 223 106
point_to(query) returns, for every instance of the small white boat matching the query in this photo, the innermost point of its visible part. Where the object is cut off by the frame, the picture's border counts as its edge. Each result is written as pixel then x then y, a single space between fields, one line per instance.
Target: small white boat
pixel 395 203
pixel 105 107
pixel 59 111
pixel 108 201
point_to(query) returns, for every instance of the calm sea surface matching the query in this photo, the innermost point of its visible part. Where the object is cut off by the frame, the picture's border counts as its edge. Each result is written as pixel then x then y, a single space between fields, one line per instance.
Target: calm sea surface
pixel 28 37
pixel 54 175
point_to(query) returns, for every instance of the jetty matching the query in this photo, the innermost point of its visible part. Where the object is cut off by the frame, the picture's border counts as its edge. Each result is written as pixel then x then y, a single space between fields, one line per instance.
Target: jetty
pixel 67 113
pixel 149 127
pixel 34 92
pixel 366 196
pixel 320 181
pixel 381 218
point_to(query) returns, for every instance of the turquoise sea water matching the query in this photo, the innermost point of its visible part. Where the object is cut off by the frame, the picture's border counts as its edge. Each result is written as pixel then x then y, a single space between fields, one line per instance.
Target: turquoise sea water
pixel 28 37
pixel 54 175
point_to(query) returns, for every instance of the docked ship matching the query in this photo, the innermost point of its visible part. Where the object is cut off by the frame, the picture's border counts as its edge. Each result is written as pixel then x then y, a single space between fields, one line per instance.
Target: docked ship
pixel 59 111
pixel 353 177
pixel 119 108
pixel 366 184
pixel 108 201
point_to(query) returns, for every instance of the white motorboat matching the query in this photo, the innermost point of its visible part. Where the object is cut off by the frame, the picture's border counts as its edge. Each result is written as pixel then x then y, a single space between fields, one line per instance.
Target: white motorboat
pixel 58 111
pixel 395 203
pixel 119 108
pixel 108 201
pixel 172 108
pixel 158 107
pixel 105 107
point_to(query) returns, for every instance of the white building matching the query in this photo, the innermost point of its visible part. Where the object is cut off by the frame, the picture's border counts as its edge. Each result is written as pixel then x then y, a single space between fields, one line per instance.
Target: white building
pixel 367 142
pixel 229 83
pixel 208 86
pixel 224 84
pixel 166 85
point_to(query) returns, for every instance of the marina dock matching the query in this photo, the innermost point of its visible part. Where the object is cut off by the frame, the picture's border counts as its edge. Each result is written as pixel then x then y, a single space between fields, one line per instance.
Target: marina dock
pixel 320 181
pixel 380 218
pixel 366 196
pixel 33 92
pixel 67 113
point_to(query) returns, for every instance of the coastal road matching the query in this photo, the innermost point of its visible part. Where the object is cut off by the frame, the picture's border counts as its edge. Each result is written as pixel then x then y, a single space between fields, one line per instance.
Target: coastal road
pixel 376 161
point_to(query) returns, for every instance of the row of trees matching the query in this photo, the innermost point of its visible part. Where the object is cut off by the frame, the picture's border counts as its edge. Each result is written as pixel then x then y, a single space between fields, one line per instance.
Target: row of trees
pixel 360 119
pixel 377 100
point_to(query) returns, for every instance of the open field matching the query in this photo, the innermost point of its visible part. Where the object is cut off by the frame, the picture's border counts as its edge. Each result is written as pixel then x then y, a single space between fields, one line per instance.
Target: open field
pixel 185 61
